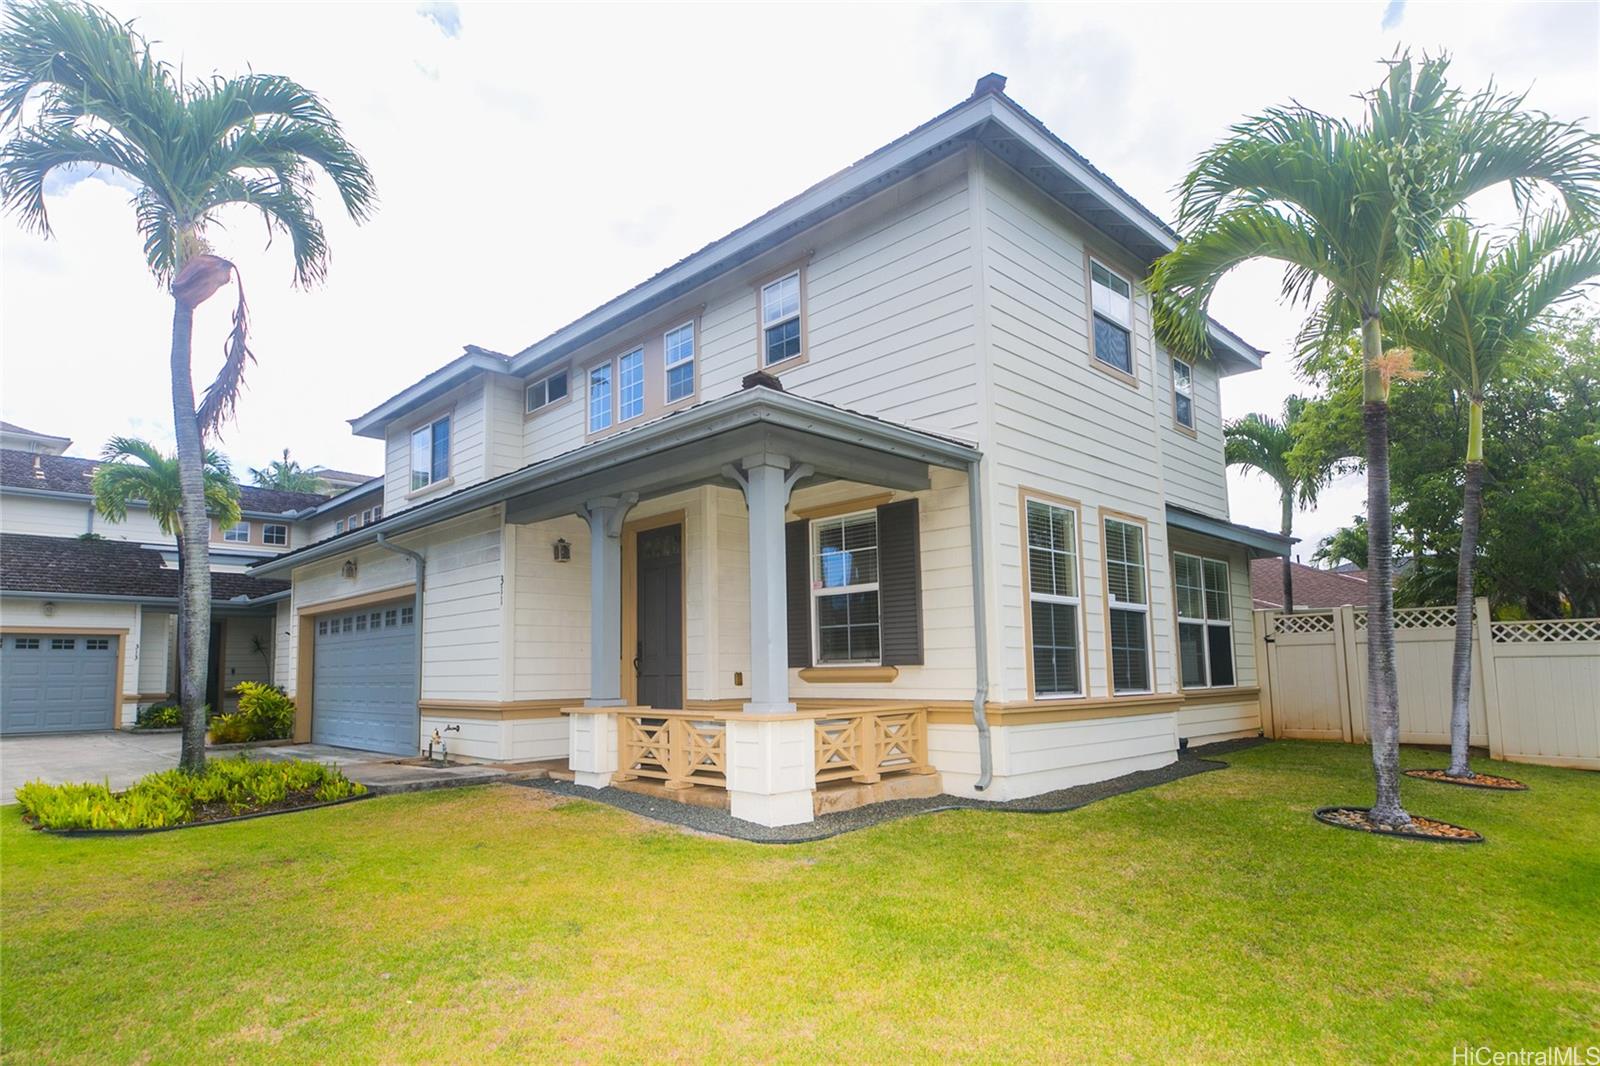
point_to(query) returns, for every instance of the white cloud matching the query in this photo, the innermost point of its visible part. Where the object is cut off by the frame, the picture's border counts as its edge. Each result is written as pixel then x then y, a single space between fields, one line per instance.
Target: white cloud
pixel 545 158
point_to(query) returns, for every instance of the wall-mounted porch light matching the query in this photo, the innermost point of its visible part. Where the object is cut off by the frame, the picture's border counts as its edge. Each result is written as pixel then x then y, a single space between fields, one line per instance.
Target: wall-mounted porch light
pixel 349 569
pixel 563 551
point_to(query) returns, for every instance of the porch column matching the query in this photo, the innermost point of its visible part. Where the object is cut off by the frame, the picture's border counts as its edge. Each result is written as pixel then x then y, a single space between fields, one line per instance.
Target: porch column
pixel 606 516
pixel 768 480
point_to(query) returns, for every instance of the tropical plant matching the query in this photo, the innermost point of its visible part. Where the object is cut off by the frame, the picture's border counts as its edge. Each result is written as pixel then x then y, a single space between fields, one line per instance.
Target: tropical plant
pixel 1472 303
pixel 1347 206
pixel 286 475
pixel 1347 544
pixel 1263 444
pixel 82 89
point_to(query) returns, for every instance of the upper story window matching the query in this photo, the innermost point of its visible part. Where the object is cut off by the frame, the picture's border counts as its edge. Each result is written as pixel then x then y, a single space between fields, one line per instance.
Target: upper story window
pixel 430 453
pixel 630 385
pixel 338 526
pixel 546 391
pixel 377 511
pixel 1183 393
pixel 678 356
pixel 275 534
pixel 239 533
pixel 599 397
pixel 1053 599
pixel 1129 612
pixel 1111 304
pixel 1205 621
pixel 780 319
pixel 844 588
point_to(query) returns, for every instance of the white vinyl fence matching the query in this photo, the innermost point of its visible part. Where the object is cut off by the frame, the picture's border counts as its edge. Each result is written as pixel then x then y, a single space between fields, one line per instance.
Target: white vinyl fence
pixel 1535 685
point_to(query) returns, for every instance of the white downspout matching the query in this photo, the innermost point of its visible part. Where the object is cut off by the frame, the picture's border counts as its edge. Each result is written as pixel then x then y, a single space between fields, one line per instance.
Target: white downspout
pixel 980 635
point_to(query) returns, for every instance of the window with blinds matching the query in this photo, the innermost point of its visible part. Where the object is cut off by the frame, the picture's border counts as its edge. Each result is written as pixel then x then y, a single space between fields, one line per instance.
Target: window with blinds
pixel 1054 604
pixel 1128 616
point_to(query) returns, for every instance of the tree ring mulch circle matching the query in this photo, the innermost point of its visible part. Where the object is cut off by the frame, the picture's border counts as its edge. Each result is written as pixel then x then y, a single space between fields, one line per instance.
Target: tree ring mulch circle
pixel 1492 782
pixel 1430 829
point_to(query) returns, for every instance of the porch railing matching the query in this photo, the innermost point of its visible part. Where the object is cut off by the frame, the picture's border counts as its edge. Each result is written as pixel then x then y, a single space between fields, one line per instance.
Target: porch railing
pixel 864 745
pixel 681 752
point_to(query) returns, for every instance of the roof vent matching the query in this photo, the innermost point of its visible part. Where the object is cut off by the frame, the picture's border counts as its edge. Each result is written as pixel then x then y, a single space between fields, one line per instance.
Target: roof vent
pixel 990 85
pixel 762 380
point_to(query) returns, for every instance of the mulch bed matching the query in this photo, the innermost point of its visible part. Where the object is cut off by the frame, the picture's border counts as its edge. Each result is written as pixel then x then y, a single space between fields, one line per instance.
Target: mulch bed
pixel 216 814
pixel 1359 819
pixel 1477 780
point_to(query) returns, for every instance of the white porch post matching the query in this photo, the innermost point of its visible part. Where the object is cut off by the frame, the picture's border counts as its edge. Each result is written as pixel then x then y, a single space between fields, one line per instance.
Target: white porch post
pixel 606 516
pixel 771 763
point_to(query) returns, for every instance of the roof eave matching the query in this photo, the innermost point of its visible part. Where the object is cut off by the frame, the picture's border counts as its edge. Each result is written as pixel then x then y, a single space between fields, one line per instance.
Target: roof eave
pixel 1261 541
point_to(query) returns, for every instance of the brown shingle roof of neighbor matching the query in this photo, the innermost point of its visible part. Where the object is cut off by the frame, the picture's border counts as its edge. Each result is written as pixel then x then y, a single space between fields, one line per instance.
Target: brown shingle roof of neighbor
pixel 65 473
pixel 1313 588
pixel 79 566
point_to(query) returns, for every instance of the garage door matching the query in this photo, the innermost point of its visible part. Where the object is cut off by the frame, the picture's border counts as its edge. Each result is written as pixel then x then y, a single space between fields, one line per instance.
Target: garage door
pixel 57 684
pixel 364 680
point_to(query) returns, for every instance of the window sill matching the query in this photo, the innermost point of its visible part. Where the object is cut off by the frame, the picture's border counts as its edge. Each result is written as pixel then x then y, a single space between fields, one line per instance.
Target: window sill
pixel 1113 371
pixel 428 489
pixel 849 675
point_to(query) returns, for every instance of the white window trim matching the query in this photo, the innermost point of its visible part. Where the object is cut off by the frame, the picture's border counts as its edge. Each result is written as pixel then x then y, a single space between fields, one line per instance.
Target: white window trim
pixel 762 325
pixel 411 449
pixel 667 365
pixel 1094 355
pixel 616 387
pixel 1051 597
pixel 228 534
pixel 1206 620
pixel 818 592
pixel 1114 604
pixel 609 365
pixel 275 543
pixel 529 407
pixel 1189 368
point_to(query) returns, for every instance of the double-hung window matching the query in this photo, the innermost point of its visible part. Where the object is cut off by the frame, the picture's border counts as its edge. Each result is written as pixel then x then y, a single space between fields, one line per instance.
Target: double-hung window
pixel 1205 621
pixel 275 534
pixel 430 453
pixel 678 355
pixel 1053 599
pixel 780 319
pixel 1111 299
pixel 599 397
pixel 546 391
pixel 1183 393
pixel 239 533
pixel 630 385
pixel 844 588
pixel 1129 609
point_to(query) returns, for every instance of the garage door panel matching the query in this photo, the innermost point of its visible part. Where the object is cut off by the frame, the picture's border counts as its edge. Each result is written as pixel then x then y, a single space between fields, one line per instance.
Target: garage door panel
pixel 57 684
pixel 364 686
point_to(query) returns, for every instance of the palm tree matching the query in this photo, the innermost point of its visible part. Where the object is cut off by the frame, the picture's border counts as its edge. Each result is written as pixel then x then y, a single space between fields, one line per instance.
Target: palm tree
pixel 1473 302
pixel 197 149
pixel 286 475
pixel 1346 206
pixel 1347 544
pixel 132 469
pixel 1263 443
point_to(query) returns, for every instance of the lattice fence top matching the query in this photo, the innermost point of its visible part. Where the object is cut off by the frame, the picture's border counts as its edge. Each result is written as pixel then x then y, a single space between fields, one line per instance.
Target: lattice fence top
pixel 1547 631
pixel 1302 622
pixel 1413 618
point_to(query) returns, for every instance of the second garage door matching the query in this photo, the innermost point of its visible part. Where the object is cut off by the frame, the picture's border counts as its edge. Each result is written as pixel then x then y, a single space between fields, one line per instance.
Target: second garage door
pixel 364 680
pixel 57 684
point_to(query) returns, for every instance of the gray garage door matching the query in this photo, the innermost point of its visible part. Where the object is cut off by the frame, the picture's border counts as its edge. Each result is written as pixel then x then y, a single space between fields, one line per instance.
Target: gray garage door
pixel 57 684
pixel 364 688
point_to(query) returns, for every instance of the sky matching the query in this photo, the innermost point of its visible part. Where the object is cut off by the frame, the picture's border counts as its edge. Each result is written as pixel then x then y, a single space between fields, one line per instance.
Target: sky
pixel 534 161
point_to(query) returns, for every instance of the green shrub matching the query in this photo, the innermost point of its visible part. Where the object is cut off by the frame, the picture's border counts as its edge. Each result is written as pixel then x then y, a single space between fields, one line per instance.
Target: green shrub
pixel 264 713
pixel 160 716
pixel 173 797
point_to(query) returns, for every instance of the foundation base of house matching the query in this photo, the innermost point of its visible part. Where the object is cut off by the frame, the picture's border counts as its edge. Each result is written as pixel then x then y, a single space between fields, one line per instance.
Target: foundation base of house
pixel 847 795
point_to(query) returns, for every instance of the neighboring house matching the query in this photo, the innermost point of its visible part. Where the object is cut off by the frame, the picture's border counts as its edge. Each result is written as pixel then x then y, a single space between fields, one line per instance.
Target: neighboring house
pixel 1313 588
pixel 893 478
pixel 14 438
pixel 338 481
pixel 87 607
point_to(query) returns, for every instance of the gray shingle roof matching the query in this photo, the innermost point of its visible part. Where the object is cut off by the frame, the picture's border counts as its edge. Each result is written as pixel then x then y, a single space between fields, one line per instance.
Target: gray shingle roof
pixel 65 473
pixel 106 568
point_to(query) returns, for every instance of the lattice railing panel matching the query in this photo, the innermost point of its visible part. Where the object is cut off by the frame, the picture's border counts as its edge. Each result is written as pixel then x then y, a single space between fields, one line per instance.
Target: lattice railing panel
pixel 679 751
pixel 1546 631
pixel 1303 622
pixel 865 746
pixel 1412 618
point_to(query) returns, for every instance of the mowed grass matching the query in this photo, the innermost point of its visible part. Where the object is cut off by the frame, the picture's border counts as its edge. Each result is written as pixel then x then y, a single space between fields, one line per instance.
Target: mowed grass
pixel 1207 919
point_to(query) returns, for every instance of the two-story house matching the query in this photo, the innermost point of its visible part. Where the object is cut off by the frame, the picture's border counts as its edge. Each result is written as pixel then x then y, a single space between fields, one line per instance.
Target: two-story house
pixel 87 606
pixel 892 483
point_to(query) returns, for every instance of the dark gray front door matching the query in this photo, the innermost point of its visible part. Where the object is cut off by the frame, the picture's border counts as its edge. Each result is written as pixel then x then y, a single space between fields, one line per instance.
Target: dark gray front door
pixel 57 684
pixel 364 680
pixel 660 652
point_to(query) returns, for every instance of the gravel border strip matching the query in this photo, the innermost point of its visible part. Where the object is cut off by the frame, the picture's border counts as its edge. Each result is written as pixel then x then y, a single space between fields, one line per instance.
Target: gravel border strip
pixel 720 823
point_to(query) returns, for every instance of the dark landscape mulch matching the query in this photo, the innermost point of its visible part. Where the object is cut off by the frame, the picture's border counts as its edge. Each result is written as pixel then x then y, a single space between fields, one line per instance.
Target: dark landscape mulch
pixel 1477 780
pixel 216 814
pixel 1431 829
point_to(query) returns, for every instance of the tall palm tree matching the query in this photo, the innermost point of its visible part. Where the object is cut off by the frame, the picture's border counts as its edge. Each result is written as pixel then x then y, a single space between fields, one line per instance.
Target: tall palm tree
pixel 82 89
pixel 287 475
pixel 135 470
pixel 1472 302
pixel 1263 443
pixel 1346 206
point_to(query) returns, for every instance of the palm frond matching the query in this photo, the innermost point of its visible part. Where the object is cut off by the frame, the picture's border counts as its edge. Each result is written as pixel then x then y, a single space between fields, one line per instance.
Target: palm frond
pixel 221 397
pixel 33 154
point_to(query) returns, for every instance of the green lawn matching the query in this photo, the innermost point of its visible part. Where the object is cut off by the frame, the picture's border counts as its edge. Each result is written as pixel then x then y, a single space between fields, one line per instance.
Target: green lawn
pixel 1209 918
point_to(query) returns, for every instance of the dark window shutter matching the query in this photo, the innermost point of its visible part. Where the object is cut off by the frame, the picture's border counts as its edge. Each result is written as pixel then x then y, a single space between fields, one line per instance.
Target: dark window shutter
pixel 899 584
pixel 797 581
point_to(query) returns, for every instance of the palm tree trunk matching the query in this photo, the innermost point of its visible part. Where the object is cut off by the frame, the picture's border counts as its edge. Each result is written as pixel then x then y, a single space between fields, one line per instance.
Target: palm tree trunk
pixel 1383 697
pixel 1288 561
pixel 194 595
pixel 1461 669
